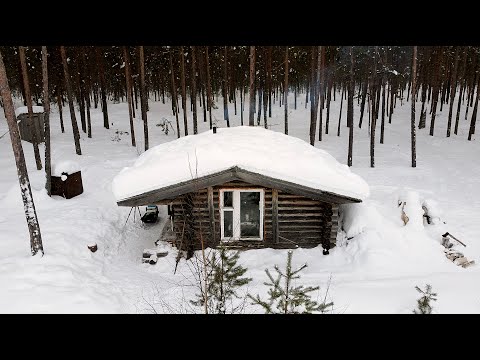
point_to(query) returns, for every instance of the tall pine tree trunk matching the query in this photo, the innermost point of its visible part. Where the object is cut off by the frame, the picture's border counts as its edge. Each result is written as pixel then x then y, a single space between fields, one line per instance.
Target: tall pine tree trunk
pixel 46 109
pixel 174 94
pixel 128 80
pixel 251 117
pixel 209 87
pixel 435 90
pixel 87 96
pixel 414 91
pixel 184 93
pixel 453 88
pixel 464 64
pixel 81 89
pixel 76 134
pixel 59 103
pixel 103 90
pixel 36 245
pixel 33 125
pixel 194 90
pixel 225 87
pixel 313 97
pixel 474 113
pixel 321 70
pixel 285 90
pixel 340 113
pixel 382 126
pixel 143 96
pixel 350 110
pixel 362 105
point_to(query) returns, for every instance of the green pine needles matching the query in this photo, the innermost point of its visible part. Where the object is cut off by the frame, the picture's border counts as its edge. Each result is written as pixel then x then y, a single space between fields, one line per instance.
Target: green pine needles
pixel 224 278
pixel 285 297
pixel 423 304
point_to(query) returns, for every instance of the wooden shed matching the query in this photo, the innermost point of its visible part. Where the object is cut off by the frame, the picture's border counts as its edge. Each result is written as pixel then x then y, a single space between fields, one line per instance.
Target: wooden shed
pixel 27 126
pixel 251 204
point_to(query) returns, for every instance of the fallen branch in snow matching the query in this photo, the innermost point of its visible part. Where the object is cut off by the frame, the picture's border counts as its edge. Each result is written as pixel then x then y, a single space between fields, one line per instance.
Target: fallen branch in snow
pixel 453 237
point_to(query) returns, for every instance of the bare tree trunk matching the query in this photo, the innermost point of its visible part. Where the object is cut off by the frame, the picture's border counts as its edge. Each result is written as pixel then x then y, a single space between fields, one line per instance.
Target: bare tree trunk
pixel 251 118
pixel 59 103
pixel 184 95
pixel 201 73
pixel 128 80
pixel 350 109
pixel 414 91
pixel 329 98
pixel 174 94
pixel 194 91
pixel 474 113
pixel 242 100
pixel 143 96
pixel 103 90
pixel 269 79
pixel 321 69
pixel 80 89
pixel 435 90
pixel 76 134
pixel 382 126
pixel 209 87
pixel 453 88
pixel 340 114
pixel 313 98
pixel 260 98
pixel 285 91
pixel 22 173
pixel 87 96
pixel 46 109
pixel 464 64
pixel 362 105
pixel 33 125
pixel 225 87
pixel 392 99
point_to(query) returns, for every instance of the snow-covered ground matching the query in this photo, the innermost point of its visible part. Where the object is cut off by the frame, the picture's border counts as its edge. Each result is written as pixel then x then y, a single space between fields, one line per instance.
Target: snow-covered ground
pixel 375 271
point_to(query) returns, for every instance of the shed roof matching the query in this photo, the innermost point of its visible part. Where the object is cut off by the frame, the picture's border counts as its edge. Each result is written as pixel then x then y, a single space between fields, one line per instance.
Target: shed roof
pixel 24 110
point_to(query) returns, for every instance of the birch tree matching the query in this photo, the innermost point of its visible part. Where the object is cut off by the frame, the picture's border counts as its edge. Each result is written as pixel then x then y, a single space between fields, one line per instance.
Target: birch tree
pixel 36 245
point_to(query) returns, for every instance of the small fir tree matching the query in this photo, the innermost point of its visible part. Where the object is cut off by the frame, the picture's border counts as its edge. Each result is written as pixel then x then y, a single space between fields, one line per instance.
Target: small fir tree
pixel 287 298
pixel 224 278
pixel 423 304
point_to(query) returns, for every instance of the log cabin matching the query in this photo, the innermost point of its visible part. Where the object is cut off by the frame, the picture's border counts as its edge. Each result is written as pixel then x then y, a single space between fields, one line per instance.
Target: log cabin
pixel 244 188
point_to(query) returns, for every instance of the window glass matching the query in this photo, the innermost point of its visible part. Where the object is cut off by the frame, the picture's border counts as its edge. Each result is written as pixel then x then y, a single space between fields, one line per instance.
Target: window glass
pixel 227 224
pixel 249 214
pixel 228 199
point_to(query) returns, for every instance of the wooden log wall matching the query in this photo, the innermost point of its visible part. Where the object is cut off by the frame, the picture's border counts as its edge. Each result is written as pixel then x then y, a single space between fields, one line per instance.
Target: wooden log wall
pixel 301 221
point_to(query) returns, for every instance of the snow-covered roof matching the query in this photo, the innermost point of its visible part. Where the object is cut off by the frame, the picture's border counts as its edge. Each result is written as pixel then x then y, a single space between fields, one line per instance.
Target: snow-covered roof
pixel 253 149
pixel 67 166
pixel 24 110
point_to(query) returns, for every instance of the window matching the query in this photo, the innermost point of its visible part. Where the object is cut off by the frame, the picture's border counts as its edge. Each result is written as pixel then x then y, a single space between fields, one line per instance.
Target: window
pixel 241 214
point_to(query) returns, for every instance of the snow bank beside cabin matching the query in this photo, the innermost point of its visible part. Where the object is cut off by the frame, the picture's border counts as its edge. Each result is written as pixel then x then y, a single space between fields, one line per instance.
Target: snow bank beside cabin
pixel 251 148
pixel 24 110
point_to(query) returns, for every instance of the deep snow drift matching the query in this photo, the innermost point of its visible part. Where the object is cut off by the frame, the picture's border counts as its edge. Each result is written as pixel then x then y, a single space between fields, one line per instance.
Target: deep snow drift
pixel 374 269
pixel 255 149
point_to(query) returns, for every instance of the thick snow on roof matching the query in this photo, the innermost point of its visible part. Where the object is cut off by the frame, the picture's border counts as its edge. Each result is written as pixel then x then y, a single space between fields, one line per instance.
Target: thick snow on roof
pixel 254 149
pixel 67 166
pixel 24 110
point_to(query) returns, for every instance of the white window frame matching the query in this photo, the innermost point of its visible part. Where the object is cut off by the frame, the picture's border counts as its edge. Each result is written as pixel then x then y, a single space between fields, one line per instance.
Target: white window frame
pixel 236 213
